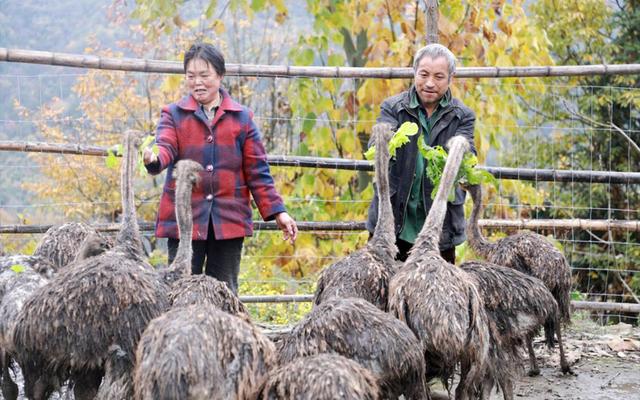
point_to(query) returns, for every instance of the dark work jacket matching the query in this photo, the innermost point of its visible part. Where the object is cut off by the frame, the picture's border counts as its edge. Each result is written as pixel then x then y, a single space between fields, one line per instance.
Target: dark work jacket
pixel 456 119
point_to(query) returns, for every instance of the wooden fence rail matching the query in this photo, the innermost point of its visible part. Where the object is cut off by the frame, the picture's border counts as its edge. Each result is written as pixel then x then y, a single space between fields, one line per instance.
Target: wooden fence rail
pixel 525 174
pixel 515 224
pixel 176 67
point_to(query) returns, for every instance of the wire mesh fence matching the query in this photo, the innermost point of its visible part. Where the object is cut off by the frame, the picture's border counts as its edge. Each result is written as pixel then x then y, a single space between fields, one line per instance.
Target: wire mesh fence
pixel 564 126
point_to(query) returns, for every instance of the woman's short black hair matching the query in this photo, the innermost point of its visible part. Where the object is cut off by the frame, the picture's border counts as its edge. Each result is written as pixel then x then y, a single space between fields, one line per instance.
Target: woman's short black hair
pixel 208 53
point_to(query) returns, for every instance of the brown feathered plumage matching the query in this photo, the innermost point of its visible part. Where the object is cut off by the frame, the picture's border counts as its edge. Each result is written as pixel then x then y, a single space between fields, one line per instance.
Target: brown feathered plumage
pixel 321 377
pixel 65 330
pixel 186 174
pixel 61 244
pixel 365 273
pixel 192 352
pixel 15 289
pixel 204 289
pixel 356 329
pixel 440 302
pixel 187 289
pixel 200 352
pixel 526 252
pixel 517 305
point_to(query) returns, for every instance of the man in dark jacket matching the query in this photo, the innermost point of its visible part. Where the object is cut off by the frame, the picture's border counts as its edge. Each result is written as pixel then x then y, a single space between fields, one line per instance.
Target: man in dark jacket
pixel 439 117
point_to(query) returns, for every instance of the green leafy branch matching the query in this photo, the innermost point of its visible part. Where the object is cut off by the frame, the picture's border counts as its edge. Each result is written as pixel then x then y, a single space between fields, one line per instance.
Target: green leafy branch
pixel 399 139
pixel 154 148
pixel 468 173
pixel 111 161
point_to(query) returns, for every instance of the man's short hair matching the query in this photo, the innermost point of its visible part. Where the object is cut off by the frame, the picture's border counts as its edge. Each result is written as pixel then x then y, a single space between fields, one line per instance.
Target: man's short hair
pixel 435 50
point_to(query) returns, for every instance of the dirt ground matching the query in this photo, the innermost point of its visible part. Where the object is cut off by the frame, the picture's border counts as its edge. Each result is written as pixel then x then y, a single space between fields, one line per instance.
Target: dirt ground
pixel 596 378
pixel 605 360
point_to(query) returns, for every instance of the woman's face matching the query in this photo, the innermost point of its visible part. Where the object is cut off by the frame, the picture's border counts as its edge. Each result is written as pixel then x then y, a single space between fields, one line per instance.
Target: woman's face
pixel 203 81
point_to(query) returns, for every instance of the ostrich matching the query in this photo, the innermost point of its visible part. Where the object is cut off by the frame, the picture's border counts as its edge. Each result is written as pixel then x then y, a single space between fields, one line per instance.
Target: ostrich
pixel 66 328
pixel 517 305
pixel 62 243
pixel 189 289
pixel 365 273
pixel 440 302
pixel 39 264
pixel 529 253
pixel 203 289
pixel 60 246
pixel 94 244
pixel 321 377
pixel 185 289
pixel 15 288
pixel 117 383
pixel 356 329
pixel 194 350
pixel 55 250
pixel 186 175
pixel 201 352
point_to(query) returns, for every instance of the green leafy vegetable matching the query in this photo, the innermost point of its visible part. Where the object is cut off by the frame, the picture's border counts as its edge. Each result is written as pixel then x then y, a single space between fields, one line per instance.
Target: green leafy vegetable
pixel 399 139
pixel 436 158
pixel 147 141
pixel 468 173
pixel 111 161
pixel 18 268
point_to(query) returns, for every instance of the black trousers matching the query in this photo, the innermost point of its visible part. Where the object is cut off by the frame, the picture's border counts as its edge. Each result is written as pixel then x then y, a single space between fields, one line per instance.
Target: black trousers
pixel 222 256
pixel 449 255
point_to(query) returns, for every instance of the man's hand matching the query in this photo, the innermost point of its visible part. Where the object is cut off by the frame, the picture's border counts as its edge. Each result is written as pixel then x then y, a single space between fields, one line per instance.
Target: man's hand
pixel 288 227
pixel 148 156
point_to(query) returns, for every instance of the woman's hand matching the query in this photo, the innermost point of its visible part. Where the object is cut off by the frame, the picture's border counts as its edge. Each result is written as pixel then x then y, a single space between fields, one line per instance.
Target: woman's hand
pixel 148 156
pixel 288 226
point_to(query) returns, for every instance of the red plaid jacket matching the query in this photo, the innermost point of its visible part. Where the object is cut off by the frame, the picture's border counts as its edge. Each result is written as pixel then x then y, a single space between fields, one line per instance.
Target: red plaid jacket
pixel 235 163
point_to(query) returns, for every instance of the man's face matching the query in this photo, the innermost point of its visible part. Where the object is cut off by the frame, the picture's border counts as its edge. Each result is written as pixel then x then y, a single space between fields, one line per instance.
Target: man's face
pixel 431 80
pixel 203 81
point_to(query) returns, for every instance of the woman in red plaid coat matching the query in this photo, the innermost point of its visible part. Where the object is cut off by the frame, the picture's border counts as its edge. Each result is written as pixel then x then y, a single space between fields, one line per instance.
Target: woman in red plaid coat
pixel 209 127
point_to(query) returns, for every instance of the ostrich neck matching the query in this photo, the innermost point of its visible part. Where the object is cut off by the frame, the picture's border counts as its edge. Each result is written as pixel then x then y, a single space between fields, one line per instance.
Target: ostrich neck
pixel 129 235
pixel 184 216
pixel 477 241
pixel 429 236
pixel 384 234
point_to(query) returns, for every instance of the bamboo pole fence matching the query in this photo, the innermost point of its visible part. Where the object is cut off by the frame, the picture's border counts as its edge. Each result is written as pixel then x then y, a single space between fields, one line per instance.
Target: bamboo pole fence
pixel 526 174
pixel 287 71
pixel 347 226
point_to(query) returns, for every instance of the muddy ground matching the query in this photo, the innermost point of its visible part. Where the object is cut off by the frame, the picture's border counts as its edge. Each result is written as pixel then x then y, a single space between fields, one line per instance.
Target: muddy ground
pixel 605 360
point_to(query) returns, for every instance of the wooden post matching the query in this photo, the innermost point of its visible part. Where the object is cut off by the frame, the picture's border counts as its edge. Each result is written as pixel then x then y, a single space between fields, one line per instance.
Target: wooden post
pixel 432 21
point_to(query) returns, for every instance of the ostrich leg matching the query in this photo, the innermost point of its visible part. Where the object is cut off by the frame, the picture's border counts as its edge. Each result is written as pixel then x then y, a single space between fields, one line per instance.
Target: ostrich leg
pixel 9 387
pixel 86 385
pixel 564 365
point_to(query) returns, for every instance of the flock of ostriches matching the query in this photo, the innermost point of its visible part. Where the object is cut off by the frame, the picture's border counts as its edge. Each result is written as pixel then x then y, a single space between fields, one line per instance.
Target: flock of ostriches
pixel 93 314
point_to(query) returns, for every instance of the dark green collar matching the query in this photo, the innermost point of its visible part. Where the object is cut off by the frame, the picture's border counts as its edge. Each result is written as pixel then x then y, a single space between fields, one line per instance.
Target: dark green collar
pixel 414 102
